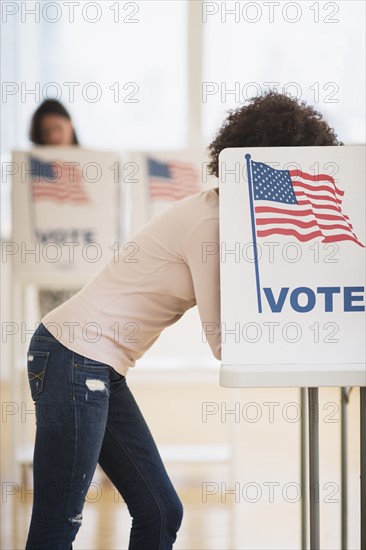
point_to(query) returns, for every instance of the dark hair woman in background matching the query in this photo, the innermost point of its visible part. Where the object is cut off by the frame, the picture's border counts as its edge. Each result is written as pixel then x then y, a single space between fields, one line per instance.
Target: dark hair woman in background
pixel 51 125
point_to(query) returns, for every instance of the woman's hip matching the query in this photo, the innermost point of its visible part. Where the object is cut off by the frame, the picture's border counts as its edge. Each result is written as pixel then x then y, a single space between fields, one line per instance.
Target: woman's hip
pixel 57 374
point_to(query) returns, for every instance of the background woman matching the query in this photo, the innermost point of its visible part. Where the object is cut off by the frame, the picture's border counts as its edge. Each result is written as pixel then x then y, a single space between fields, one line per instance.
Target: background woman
pixel 52 125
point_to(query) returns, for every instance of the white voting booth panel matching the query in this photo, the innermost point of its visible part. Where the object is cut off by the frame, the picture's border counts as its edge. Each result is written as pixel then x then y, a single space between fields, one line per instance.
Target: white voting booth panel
pixel 292 261
pixel 66 213
pixel 152 173
pixel 66 223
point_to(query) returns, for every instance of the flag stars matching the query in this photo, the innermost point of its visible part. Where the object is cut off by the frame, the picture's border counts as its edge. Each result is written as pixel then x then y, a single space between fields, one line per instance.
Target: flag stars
pixel 272 184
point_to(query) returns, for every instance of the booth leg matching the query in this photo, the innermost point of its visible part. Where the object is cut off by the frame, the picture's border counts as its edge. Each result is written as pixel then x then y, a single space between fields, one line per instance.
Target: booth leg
pixel 314 468
pixel 344 479
pixel 303 470
pixel 363 465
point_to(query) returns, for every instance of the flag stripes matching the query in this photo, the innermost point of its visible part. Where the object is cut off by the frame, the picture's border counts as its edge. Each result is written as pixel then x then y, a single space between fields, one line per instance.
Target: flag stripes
pixel 172 180
pixel 57 182
pixel 298 204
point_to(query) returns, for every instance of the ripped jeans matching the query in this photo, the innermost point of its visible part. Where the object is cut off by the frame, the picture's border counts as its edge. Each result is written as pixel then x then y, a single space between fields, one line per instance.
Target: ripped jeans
pixel 86 414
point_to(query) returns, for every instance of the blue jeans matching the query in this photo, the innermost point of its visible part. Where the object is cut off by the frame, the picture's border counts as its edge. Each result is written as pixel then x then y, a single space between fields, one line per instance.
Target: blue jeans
pixel 86 414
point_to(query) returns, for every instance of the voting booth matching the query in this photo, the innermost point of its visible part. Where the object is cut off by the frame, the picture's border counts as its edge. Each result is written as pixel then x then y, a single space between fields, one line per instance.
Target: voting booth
pixel 292 262
pixel 154 179
pixel 67 219
pixel 66 206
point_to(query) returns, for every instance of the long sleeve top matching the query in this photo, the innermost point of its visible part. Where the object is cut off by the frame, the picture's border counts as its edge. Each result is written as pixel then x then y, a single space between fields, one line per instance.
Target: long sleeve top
pixel 170 265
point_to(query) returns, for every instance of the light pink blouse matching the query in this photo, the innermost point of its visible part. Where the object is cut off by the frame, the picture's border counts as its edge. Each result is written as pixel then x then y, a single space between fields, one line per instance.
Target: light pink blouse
pixel 170 265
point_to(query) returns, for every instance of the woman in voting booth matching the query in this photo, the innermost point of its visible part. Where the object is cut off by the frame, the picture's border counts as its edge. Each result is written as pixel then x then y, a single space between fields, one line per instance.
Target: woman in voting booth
pixel 52 125
pixel 79 355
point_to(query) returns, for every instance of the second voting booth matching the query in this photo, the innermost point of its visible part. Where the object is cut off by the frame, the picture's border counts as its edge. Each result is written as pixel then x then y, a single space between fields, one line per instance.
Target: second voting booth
pixel 292 264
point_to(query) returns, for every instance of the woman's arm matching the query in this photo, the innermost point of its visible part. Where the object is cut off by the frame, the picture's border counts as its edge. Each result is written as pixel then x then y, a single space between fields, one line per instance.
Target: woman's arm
pixel 201 252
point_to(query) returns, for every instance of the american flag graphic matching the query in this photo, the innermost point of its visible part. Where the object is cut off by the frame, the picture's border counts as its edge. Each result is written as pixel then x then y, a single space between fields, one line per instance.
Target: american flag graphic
pixel 297 204
pixel 172 180
pixel 57 181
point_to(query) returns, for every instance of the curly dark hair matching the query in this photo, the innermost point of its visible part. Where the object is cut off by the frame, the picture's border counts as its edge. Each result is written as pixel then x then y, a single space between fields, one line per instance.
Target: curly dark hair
pixel 271 120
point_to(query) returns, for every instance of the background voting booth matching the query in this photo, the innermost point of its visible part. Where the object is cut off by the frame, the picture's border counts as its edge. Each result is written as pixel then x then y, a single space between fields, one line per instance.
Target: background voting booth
pixel 66 213
pixel 66 221
pixel 292 253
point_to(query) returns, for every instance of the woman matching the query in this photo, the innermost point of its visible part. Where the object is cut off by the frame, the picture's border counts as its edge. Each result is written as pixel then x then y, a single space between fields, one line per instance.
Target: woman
pixel 80 354
pixel 51 125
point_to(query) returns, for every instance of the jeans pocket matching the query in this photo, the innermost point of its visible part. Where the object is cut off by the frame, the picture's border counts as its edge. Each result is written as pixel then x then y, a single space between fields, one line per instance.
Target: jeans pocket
pixel 36 365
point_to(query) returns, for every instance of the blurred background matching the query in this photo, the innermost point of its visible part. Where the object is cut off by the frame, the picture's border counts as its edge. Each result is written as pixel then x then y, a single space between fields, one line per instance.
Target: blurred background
pixel 154 80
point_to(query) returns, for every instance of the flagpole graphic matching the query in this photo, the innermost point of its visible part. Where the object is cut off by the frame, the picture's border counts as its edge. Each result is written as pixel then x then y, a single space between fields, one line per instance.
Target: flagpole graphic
pixel 254 233
pixel 295 204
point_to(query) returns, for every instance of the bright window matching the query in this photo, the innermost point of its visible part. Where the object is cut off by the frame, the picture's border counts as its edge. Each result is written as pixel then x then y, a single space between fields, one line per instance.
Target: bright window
pixel 118 67
pixel 314 50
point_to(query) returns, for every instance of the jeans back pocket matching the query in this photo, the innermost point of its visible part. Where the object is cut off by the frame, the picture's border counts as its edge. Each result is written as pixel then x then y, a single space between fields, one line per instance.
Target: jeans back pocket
pixel 36 365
